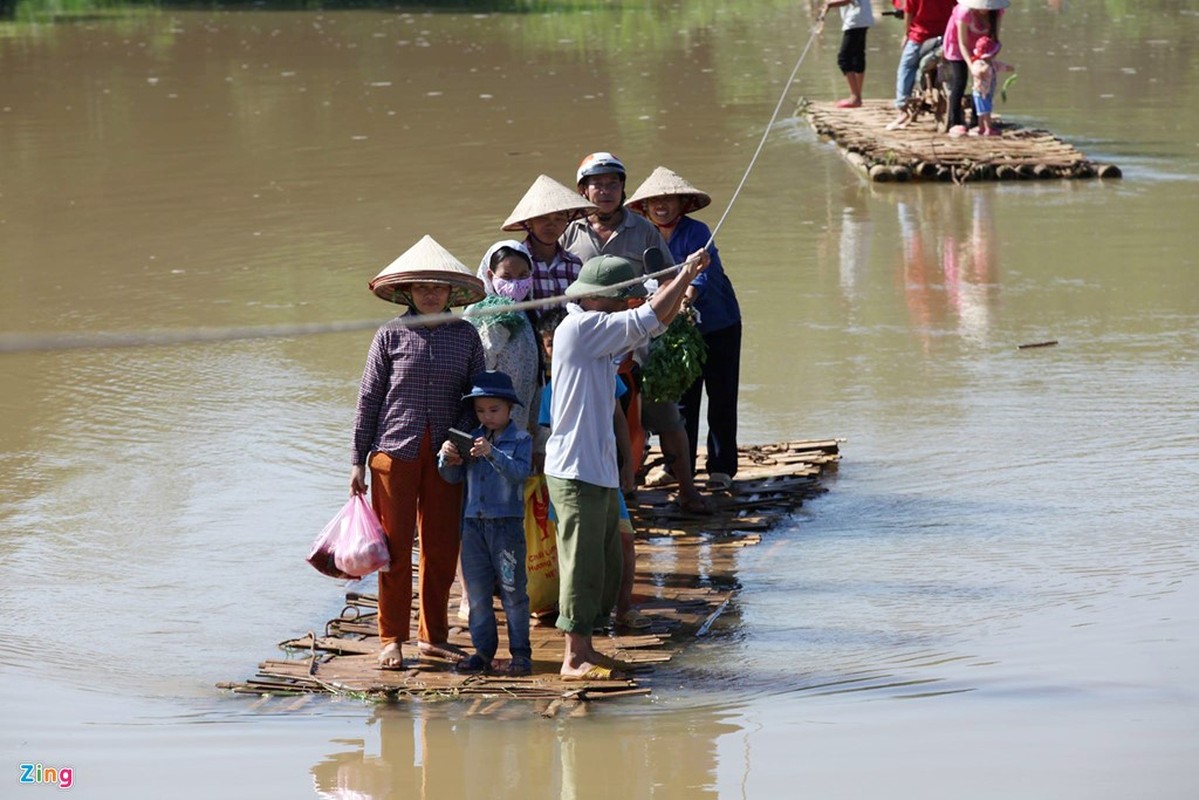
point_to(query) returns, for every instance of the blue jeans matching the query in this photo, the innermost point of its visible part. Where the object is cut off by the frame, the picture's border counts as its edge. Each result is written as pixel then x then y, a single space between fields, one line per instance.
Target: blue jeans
pixel 493 551
pixel 905 75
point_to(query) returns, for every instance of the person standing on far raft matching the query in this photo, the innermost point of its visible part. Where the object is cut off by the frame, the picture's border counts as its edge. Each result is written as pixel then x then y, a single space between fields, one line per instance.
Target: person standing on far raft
pixel 857 17
pixel 410 396
pixel 970 20
pixel 924 20
pixel 580 459
pixel 666 199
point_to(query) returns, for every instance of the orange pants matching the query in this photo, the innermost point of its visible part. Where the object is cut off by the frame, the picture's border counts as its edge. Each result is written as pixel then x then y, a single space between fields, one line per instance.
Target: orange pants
pixel 411 495
pixel 633 414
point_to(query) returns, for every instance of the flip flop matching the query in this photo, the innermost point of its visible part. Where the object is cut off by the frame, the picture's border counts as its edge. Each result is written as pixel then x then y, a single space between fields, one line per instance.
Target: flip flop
pixel 622 667
pixel 594 673
pixel 446 650
pixel 719 482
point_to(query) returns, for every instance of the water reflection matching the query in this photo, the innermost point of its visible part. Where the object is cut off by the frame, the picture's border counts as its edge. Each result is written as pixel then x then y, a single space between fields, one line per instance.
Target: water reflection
pixel 950 262
pixel 498 749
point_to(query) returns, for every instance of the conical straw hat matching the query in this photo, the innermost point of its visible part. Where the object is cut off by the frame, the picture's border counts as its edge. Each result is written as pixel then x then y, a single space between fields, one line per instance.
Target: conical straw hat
pixel 547 196
pixel 663 182
pixel 427 262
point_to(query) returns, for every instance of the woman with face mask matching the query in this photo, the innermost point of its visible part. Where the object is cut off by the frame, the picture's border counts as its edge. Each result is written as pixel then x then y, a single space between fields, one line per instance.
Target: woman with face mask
pixel 509 343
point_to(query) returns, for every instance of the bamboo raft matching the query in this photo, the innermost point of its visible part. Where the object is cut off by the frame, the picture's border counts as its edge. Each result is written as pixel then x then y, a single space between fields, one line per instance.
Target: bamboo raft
pixel 921 152
pixel 685 579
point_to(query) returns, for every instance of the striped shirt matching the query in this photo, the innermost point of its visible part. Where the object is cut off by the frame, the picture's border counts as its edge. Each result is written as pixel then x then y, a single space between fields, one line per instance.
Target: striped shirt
pixel 413 382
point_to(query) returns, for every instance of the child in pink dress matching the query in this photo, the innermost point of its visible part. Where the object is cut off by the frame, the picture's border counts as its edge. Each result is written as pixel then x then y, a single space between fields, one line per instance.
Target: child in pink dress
pixel 985 70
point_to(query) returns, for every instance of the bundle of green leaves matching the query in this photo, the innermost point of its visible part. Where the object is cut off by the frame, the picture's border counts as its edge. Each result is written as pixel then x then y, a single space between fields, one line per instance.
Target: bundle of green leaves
pixel 483 319
pixel 676 359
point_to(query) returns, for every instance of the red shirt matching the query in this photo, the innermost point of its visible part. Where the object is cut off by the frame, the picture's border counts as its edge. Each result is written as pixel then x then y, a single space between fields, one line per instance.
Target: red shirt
pixel 927 18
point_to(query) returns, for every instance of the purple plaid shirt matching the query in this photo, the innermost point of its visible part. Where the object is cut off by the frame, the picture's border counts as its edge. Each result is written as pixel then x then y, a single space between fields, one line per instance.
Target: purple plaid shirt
pixel 551 280
pixel 413 382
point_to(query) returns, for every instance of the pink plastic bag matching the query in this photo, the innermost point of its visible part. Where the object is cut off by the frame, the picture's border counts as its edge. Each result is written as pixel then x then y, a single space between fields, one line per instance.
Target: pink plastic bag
pixel 353 544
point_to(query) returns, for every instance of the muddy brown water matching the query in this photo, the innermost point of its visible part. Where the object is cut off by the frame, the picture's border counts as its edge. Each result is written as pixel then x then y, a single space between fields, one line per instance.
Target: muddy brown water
pixel 997 596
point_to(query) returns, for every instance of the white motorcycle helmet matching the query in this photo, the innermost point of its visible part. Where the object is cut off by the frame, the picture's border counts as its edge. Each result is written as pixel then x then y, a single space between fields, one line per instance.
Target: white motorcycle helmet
pixel 599 164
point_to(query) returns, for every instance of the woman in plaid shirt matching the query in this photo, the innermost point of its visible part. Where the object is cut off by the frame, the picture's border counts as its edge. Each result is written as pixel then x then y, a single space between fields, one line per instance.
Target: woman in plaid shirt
pixel 411 394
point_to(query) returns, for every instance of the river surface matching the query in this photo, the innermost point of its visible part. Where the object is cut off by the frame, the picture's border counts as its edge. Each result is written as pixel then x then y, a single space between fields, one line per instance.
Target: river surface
pixel 998 597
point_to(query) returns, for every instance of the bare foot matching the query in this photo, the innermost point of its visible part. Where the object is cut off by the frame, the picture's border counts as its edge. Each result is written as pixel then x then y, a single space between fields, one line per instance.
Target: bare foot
pixel 391 657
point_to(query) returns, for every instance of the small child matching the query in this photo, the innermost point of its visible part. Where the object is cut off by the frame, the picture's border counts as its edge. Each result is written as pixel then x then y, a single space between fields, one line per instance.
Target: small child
pixel 985 70
pixel 493 532
pixel 856 18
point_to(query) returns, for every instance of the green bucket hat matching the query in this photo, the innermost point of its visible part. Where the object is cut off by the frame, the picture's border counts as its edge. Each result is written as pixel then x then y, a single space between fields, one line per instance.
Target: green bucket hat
pixel 601 272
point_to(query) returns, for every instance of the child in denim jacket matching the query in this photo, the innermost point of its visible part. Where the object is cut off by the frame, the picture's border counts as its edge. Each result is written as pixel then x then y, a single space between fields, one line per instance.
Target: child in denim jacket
pixel 493 532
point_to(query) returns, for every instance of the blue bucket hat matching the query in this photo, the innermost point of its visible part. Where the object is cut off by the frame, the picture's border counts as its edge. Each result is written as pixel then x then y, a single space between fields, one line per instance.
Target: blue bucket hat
pixel 492 383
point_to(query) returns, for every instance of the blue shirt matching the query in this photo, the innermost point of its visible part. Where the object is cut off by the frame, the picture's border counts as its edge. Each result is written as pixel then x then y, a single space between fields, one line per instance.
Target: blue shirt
pixel 547 397
pixel 716 301
pixel 495 486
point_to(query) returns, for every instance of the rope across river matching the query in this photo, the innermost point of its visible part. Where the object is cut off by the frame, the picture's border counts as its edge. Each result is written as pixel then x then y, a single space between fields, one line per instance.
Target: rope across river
pixel 47 342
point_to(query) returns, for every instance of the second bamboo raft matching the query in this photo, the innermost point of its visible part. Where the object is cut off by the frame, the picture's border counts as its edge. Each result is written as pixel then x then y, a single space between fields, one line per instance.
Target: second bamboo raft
pixel 921 152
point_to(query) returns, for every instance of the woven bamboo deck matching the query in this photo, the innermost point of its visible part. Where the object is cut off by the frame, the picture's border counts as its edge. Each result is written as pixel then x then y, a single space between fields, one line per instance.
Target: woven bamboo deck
pixel 686 577
pixel 921 152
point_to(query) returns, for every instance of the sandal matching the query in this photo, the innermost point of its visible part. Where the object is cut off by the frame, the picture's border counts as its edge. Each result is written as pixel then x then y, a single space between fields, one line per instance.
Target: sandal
pixel 957 131
pixel 519 667
pixel 391 657
pixel 634 620
pixel 474 665
pixel 445 650
pixel 719 482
